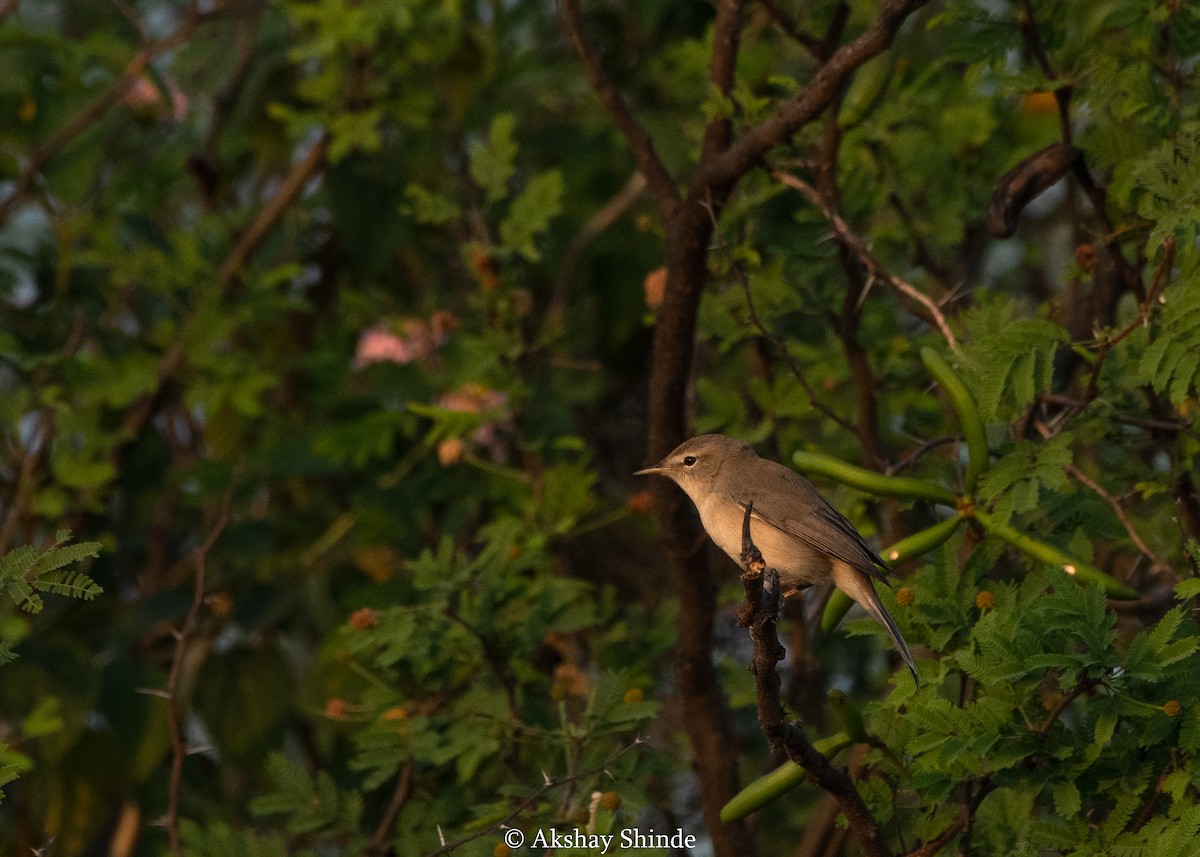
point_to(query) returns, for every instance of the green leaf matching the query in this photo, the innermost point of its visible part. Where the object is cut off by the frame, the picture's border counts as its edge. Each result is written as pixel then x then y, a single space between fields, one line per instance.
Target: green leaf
pixel 531 212
pixel 493 162
pixel 1066 799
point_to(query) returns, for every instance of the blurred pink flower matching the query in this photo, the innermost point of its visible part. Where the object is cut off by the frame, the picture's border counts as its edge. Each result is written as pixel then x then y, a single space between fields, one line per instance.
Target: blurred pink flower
pixel 478 399
pixel 418 339
pixel 380 345
pixel 147 100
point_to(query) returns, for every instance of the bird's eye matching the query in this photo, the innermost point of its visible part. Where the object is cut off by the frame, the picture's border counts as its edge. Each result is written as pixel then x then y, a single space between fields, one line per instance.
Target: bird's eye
pixel 689 460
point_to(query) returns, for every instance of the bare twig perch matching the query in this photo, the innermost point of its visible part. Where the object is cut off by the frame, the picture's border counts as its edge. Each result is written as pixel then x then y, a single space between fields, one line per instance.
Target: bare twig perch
pixel 760 614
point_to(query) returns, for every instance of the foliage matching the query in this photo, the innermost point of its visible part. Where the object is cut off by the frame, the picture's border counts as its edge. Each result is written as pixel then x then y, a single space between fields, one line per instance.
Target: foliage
pixel 382 279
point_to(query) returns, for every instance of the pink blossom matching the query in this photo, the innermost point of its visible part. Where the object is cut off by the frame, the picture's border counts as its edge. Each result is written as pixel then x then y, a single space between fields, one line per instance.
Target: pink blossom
pixel 478 399
pixel 380 345
pixel 417 339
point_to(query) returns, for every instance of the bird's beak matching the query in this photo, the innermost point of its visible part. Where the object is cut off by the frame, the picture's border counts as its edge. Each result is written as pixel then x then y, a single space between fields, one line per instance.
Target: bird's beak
pixel 656 470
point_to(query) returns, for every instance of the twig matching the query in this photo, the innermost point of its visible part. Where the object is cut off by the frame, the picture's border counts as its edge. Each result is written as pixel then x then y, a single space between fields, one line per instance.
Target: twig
pixel 963 822
pixel 786 23
pixel 31 459
pixel 662 183
pixel 1027 24
pixel 184 635
pixel 1119 511
pixel 914 456
pixel 597 225
pixel 548 784
pixel 760 613
pixel 856 246
pixel 766 334
pixel 1061 706
pixel 288 190
pixel 91 114
pixel 1161 275
pixel 399 797
pixel 749 149
pixel 722 67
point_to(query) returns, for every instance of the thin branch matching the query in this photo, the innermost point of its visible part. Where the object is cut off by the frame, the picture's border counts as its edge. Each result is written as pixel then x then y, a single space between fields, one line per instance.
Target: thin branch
pixel 914 456
pixel 750 147
pixel 856 246
pixel 1161 276
pixel 548 784
pixel 31 460
pixel 759 613
pixel 722 67
pixel 399 798
pixel 962 823
pixel 90 115
pixel 1115 504
pixel 662 184
pixel 285 195
pixel 1061 706
pixel 597 225
pixel 199 560
pixel 1027 24
pixel 789 26
pixel 766 334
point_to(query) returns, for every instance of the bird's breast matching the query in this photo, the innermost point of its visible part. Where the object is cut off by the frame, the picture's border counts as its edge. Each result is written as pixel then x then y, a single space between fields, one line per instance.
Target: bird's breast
pixel 797 562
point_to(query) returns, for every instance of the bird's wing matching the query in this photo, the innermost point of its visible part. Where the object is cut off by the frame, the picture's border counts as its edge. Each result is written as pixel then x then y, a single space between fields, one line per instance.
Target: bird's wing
pixel 812 520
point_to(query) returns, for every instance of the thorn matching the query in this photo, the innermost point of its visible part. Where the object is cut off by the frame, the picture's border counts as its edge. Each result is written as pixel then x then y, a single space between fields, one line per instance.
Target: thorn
pixel 441 836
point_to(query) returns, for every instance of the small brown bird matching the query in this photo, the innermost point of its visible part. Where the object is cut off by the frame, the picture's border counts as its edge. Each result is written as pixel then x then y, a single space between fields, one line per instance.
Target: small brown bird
pixel 798 533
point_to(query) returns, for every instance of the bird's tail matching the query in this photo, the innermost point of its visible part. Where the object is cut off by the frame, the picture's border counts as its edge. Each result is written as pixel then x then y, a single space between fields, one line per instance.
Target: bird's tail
pixel 858 586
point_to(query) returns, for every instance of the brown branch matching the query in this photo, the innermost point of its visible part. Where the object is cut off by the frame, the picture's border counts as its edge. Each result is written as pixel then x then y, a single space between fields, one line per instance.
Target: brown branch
pixel 597 225
pixel 722 67
pixel 789 26
pixel 854 244
pixel 1118 510
pixel 749 149
pixel 95 111
pixel 285 195
pixel 1061 706
pixel 399 798
pixel 963 823
pixel 183 636
pixel 548 784
pixel 1127 276
pixel 1161 276
pixel 766 334
pixel 31 460
pixel 759 613
pixel 662 184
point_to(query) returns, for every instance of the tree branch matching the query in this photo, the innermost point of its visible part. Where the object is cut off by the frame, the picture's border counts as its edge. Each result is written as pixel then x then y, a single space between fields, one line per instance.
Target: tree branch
pixel 749 149
pixel 175 710
pixel 288 190
pixel 722 66
pixel 852 242
pixel 90 115
pixel 759 613
pixel 662 184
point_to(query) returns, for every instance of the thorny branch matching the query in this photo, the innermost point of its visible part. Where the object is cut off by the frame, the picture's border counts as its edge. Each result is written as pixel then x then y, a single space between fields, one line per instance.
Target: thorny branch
pixel 760 613
pixel 548 784
pixel 175 712
pixel 851 241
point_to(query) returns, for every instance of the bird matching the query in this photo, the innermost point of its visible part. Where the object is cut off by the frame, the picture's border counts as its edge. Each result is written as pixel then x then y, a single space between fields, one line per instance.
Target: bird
pixel 797 531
